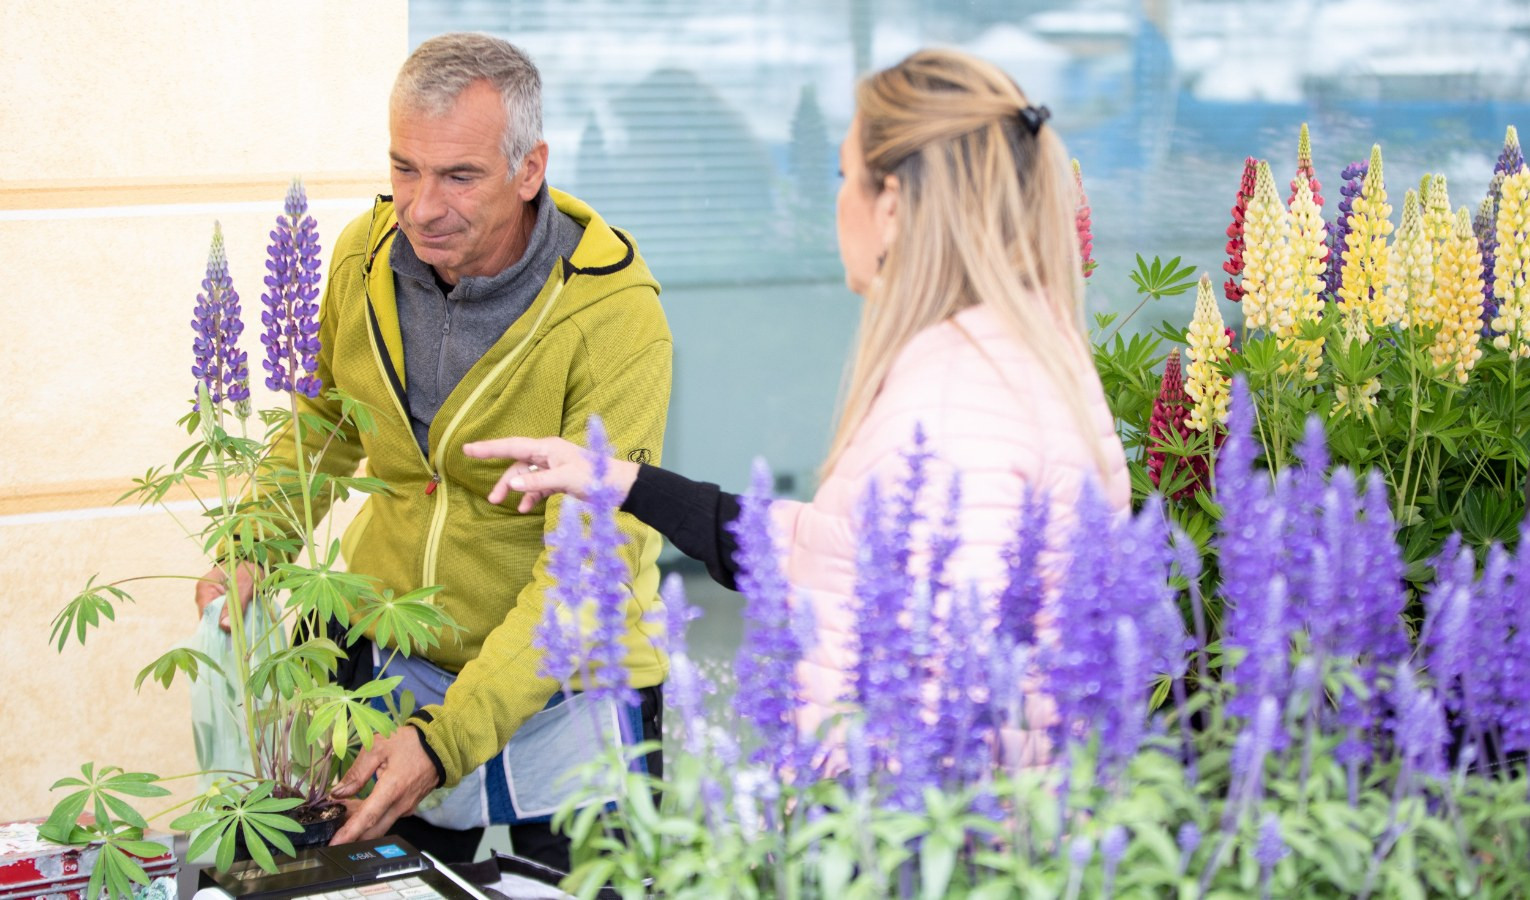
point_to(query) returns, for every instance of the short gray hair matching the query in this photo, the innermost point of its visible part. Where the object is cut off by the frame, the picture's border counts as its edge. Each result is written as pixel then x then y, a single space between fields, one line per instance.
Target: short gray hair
pixel 439 70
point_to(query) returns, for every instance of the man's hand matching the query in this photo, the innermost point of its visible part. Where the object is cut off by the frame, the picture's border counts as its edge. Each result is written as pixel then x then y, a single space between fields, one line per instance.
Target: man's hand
pixel 405 775
pixel 547 466
pixel 215 584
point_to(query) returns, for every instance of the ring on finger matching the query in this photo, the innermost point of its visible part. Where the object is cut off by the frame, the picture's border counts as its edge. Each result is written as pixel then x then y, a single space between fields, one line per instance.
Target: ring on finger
pixel 533 468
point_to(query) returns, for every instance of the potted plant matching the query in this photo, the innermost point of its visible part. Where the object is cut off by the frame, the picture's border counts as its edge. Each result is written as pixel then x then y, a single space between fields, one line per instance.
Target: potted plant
pixel 275 728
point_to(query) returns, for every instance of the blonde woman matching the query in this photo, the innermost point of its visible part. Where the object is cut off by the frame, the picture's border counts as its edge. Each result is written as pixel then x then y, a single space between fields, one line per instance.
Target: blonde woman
pixel 955 222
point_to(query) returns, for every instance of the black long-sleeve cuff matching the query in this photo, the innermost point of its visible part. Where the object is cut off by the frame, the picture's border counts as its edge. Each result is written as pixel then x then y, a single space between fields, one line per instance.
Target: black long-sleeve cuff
pixel 694 515
pixel 425 717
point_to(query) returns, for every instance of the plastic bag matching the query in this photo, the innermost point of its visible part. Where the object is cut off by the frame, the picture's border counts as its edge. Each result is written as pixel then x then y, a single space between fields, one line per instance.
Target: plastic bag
pixel 217 710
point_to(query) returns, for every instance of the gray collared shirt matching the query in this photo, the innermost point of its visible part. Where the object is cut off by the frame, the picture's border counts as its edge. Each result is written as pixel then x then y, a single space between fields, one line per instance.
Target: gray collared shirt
pixel 445 334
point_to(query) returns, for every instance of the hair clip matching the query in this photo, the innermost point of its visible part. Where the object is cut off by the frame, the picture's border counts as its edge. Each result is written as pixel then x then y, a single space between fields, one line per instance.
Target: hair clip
pixel 1033 116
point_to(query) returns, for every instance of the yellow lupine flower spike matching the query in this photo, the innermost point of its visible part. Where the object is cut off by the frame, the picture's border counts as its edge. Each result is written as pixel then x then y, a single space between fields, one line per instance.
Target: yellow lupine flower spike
pixel 1209 348
pixel 1267 269
pixel 1439 221
pixel 1308 247
pixel 1511 265
pixel 1458 300
pixel 1410 283
pixel 1363 278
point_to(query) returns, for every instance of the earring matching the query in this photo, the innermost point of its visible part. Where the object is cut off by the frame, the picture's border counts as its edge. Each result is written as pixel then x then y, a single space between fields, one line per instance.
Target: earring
pixel 881 258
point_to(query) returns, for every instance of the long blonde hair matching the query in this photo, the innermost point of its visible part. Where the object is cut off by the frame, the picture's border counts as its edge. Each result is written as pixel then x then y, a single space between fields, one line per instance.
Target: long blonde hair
pixel 984 215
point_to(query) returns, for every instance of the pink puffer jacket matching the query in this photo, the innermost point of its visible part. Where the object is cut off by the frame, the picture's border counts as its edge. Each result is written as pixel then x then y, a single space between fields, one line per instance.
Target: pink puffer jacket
pixel 999 431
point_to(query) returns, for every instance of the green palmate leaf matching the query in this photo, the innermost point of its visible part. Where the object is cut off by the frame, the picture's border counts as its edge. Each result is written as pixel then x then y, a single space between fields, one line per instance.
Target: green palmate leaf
pixel 325 592
pixel 152 487
pixel 101 790
pixel 295 668
pixel 117 872
pixel 180 659
pixel 362 414
pixel 85 611
pixel 340 715
pixel 1160 279
pixel 408 623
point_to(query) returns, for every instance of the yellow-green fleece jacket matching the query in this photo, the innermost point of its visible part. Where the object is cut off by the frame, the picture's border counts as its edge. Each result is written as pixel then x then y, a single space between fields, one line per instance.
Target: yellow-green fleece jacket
pixel 594 341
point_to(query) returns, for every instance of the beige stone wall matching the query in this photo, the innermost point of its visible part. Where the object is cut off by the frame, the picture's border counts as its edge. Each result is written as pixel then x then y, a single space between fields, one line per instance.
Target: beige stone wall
pixel 126 129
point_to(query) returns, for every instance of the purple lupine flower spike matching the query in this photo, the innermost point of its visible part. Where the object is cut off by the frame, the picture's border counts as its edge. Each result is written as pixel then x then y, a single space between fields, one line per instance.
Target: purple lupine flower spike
pixel 1353 177
pixel 219 364
pixel 768 656
pixel 1511 160
pixel 1485 226
pixel 609 576
pixel 291 335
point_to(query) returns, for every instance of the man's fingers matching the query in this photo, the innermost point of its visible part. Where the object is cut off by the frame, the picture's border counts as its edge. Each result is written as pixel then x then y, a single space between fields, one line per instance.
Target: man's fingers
pixel 350 830
pixel 361 772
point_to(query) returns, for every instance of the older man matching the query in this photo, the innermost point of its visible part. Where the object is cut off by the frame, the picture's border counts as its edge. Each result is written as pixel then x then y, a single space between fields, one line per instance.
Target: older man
pixel 476 302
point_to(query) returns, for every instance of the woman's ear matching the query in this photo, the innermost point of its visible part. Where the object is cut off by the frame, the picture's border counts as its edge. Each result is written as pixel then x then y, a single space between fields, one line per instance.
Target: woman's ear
pixel 885 211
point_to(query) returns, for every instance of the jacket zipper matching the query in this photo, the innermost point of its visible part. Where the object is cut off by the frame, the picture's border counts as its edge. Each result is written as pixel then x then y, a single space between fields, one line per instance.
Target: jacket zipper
pixel 438 516
pixel 446 331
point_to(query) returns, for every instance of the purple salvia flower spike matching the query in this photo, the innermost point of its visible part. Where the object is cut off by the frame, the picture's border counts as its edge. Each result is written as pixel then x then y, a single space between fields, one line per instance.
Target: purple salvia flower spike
pixel 1270 849
pixel 558 633
pixel 1112 850
pixel 1418 725
pixel 964 725
pixel 218 363
pixel 1252 748
pixel 1024 589
pixel 1131 685
pixel 608 576
pixel 291 335
pixel 1515 725
pixel 1077 663
pixel 677 615
pixel 768 656
pixel 1188 839
pixel 947 539
pixel 687 689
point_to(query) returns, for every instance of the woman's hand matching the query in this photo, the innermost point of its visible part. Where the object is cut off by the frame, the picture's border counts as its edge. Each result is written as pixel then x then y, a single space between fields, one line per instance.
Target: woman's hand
pixel 546 466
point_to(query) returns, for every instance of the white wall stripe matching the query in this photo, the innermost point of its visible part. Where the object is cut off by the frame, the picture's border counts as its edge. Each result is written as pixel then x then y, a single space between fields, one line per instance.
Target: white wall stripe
pixel 157 210
pixel 91 513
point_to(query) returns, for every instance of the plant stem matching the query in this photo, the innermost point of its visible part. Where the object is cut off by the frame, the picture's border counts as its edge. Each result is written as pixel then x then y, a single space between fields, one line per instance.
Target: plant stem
pixel 235 607
pixel 1121 324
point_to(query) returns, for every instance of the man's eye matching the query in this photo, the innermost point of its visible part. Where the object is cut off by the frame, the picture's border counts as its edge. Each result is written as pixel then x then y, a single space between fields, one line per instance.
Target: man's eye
pixel 462 179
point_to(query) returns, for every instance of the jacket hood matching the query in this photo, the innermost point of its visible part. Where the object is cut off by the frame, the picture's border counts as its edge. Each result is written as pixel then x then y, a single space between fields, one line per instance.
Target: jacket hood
pixel 605 262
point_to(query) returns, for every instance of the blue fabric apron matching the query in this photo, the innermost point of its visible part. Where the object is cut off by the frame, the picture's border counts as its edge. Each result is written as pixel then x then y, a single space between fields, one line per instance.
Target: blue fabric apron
pixel 533 775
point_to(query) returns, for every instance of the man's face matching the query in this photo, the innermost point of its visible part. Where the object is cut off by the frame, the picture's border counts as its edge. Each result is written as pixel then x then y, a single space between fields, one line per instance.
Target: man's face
pixel 461 213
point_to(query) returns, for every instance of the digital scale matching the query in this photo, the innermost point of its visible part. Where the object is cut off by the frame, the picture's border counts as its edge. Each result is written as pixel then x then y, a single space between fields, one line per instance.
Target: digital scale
pixel 387 868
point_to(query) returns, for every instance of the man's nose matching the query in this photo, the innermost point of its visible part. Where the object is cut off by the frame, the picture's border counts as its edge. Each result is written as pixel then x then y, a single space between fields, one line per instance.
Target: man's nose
pixel 428 204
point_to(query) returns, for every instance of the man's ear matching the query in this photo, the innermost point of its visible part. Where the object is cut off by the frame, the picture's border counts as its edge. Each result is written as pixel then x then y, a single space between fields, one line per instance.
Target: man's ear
pixel 885 211
pixel 532 172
